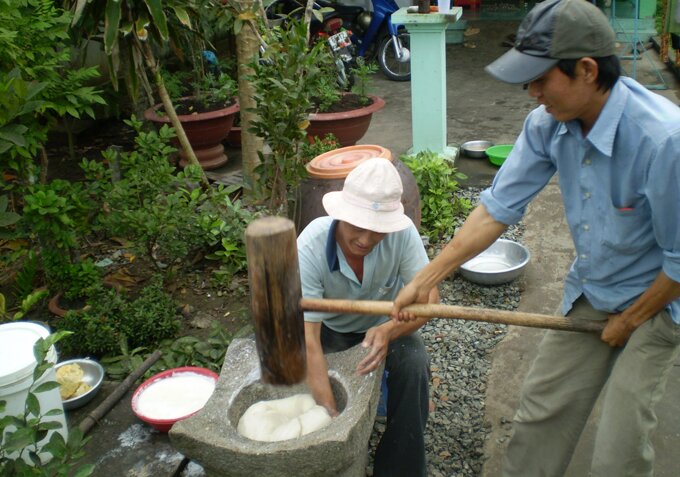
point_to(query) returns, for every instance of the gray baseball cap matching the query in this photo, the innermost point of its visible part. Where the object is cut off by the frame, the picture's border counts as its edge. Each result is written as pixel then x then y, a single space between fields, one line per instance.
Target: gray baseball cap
pixel 554 30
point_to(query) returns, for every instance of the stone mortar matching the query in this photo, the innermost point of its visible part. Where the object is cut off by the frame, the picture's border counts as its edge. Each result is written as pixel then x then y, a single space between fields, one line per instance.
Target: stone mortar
pixel 340 449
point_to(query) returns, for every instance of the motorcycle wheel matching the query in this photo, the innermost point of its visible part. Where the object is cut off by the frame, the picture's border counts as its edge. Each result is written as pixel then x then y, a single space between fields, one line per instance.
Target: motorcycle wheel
pixel 391 67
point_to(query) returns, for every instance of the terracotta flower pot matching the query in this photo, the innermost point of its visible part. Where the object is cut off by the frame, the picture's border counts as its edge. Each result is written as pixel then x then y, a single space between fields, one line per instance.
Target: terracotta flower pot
pixel 347 126
pixel 54 306
pixel 205 131
pixel 234 137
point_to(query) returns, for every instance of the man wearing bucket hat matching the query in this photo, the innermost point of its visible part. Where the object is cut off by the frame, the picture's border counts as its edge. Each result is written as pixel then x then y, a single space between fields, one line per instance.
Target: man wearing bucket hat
pixel 615 146
pixel 366 250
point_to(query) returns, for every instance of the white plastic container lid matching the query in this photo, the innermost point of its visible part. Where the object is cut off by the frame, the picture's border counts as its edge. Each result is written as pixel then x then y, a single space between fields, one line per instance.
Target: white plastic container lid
pixel 16 350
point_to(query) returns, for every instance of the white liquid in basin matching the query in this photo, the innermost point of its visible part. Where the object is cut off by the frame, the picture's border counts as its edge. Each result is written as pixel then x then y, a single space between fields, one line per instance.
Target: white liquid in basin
pixel 175 396
pixel 488 265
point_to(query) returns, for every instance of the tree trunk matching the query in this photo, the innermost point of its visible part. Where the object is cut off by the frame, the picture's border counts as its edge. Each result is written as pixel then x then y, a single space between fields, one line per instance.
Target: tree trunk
pixel 170 111
pixel 247 49
pixel 309 9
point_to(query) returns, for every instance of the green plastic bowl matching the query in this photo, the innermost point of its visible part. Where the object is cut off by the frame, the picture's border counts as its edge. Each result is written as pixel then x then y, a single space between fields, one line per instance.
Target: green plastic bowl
pixel 498 154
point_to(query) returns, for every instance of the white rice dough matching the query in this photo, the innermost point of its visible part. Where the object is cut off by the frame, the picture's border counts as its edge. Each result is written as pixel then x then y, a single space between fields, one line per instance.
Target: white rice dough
pixel 283 419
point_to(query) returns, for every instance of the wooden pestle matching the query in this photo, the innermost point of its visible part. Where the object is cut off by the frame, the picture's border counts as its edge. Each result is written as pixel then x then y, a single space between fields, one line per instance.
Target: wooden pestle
pixel 277 304
pixel 275 291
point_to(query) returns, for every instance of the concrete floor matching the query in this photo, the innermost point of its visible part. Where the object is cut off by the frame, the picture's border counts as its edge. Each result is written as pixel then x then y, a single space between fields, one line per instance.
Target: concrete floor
pixel 478 108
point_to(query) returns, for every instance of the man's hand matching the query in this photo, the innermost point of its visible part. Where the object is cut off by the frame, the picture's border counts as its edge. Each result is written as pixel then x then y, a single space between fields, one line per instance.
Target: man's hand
pixel 377 341
pixel 407 296
pixel 617 330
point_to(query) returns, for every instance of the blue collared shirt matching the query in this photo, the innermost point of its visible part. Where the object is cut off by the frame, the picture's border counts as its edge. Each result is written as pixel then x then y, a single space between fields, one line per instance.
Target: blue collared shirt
pixel 325 273
pixel 621 190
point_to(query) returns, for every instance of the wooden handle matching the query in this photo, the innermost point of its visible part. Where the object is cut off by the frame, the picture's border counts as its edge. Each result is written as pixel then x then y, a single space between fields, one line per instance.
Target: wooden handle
pixel 534 320
pixel 112 399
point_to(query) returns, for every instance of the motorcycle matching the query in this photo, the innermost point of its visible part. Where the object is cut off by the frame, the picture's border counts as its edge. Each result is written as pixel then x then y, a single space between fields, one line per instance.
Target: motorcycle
pixel 353 31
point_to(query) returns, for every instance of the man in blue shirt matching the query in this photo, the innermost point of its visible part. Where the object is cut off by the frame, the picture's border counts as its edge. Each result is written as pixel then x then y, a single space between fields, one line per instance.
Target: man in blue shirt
pixel 366 250
pixel 616 148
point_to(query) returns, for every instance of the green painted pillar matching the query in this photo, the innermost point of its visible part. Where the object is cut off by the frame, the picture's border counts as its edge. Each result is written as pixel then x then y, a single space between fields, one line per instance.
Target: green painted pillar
pixel 428 77
pixel 647 8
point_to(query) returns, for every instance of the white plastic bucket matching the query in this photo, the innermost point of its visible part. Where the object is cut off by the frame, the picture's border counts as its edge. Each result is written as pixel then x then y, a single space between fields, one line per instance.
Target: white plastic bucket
pixel 17 363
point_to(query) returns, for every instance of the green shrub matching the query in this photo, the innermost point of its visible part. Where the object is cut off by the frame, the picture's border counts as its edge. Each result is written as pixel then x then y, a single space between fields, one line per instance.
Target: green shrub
pixel 164 215
pixel 309 150
pixel 362 73
pixel 437 180
pixel 109 317
pixel 56 217
pixel 79 279
pixel 285 79
pixel 184 351
pixel 151 318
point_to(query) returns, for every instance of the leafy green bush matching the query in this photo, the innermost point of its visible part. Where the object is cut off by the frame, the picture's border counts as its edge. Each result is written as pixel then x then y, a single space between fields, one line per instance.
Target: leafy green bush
pixel 79 280
pixel 165 215
pixel 309 150
pixel 56 216
pixel 109 317
pixel 284 79
pixel 184 351
pixel 224 223
pixel 437 180
pixel 362 73
pixel 150 205
pixel 37 83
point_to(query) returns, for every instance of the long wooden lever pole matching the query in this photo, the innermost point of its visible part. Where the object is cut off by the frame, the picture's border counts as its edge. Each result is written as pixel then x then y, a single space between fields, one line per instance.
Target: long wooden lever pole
pixel 534 320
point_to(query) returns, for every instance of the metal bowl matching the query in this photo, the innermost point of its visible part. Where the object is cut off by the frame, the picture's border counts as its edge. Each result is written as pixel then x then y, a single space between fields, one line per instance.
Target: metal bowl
pixel 502 262
pixel 93 375
pixel 476 149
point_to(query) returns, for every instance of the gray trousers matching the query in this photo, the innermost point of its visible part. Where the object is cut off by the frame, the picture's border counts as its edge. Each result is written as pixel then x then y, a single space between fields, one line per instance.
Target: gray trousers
pixel 401 451
pixel 564 382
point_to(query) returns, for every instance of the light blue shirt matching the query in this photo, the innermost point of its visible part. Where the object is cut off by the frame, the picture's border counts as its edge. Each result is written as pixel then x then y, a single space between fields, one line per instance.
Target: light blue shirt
pixel 621 190
pixel 325 273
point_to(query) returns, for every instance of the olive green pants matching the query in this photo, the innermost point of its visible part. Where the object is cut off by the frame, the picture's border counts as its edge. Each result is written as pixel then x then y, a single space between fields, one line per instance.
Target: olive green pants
pixel 564 382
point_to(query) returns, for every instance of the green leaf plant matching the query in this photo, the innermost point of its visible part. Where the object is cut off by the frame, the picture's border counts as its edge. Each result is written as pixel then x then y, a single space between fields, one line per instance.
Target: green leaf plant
pixel 362 74
pixel 38 86
pixel 184 351
pixel 25 449
pixel 437 181
pixel 284 80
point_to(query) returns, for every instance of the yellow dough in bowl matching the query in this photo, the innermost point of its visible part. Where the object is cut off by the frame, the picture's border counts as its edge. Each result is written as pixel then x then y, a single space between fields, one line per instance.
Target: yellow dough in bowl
pixel 70 378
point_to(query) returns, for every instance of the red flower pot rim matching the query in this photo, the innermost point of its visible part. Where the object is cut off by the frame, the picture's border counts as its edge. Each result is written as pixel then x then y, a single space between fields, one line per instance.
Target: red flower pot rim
pixel 377 105
pixel 151 115
pixel 164 425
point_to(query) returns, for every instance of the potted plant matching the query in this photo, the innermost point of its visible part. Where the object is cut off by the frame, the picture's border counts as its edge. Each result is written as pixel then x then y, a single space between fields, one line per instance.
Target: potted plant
pixel 134 33
pixel 206 113
pixel 346 115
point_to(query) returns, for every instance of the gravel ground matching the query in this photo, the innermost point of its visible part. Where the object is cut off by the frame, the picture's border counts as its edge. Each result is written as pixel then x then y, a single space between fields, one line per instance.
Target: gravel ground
pixel 460 353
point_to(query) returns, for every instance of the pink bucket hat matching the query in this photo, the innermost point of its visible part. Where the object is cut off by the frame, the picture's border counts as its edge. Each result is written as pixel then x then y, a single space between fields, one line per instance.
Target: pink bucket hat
pixel 370 198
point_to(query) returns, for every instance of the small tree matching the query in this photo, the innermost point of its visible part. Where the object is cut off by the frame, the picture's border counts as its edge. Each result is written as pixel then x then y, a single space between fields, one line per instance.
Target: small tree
pixel 283 81
pixel 37 84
